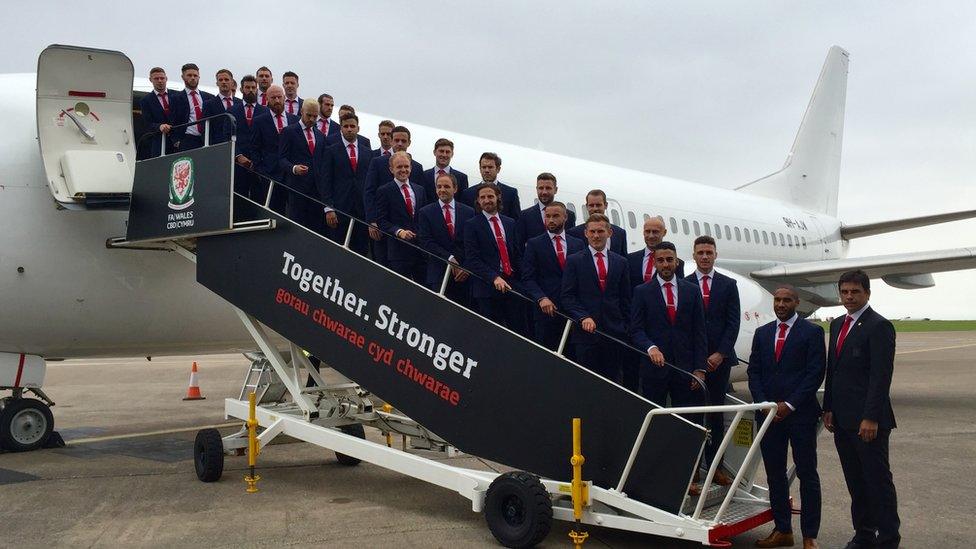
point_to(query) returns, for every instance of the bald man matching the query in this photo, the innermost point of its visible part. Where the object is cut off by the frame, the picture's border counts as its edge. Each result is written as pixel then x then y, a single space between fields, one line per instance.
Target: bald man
pixel 265 135
pixel 299 146
pixel 641 262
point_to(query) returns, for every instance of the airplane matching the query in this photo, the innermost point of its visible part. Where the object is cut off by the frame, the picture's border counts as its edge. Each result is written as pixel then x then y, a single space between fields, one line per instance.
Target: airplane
pixel 65 294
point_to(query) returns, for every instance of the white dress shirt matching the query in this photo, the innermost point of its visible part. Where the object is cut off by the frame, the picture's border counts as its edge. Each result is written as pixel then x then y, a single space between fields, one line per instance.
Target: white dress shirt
pixel 606 258
pixel 711 280
pixel 192 129
pixel 855 316
pixel 413 197
pixel 492 225
pixel 562 238
pixel 452 207
pixel 674 290
pixel 789 327
pixel 223 100
pixel 327 125
pixel 294 102
pixel 648 256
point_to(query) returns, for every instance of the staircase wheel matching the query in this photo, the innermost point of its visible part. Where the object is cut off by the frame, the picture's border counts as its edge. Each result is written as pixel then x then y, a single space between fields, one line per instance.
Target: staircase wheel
pixel 518 509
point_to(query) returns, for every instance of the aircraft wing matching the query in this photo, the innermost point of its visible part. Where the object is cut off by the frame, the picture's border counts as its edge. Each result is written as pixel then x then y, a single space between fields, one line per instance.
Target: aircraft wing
pixel 907 271
pixel 848 232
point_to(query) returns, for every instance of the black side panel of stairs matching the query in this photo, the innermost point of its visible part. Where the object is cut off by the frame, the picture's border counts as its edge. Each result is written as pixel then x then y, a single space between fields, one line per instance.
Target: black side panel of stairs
pixel 515 408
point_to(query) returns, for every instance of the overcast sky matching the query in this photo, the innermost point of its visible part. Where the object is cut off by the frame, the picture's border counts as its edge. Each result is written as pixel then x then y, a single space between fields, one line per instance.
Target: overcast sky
pixel 705 91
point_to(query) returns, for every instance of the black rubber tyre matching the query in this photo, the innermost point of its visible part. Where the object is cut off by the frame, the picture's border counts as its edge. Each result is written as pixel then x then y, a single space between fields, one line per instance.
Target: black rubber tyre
pixel 25 424
pixel 356 430
pixel 518 509
pixel 208 455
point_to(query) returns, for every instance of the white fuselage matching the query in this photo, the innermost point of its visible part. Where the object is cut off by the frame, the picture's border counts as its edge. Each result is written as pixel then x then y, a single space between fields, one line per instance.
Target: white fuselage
pixel 77 298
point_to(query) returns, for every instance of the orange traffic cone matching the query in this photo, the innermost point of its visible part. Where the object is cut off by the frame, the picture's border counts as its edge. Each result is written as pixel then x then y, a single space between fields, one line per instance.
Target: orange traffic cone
pixel 193 391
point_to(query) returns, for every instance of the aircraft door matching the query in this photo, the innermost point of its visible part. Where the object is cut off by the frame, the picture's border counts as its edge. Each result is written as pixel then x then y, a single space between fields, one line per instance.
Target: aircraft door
pixel 84 125
pixel 615 212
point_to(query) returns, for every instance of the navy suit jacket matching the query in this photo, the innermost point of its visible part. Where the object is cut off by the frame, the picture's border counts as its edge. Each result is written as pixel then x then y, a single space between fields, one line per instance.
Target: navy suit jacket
pixel 179 109
pixel 581 296
pixel 293 150
pixel 541 274
pixel 481 254
pixel 391 216
pixel 635 260
pixel 618 241
pixel 683 343
pixel 264 144
pixel 219 128
pixel 462 182
pixel 378 174
pixel 244 132
pixel 797 375
pixel 153 115
pixel 338 184
pixel 510 199
pixel 531 224
pixel 721 315
pixel 859 380
pixel 435 239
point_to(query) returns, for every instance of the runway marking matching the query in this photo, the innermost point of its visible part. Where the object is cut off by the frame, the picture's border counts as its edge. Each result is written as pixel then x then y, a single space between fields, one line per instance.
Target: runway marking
pixel 936 349
pixel 149 433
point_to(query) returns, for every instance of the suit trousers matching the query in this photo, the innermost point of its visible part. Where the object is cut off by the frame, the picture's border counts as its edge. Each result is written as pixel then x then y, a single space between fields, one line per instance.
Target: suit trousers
pixel 379 248
pixel 673 384
pixel 305 212
pixel 548 330
pixel 600 357
pixel 189 142
pixel 874 503
pixel 802 437
pixel 458 292
pixel 505 309
pixel 717 382
pixel 359 242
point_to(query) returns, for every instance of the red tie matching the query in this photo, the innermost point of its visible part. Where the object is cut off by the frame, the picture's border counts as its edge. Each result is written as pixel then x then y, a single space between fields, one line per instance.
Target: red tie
pixel 672 310
pixel 560 252
pixel 352 157
pixel 249 114
pixel 448 221
pixel 706 291
pixel 502 248
pixel 649 269
pixel 386 153
pixel 196 109
pixel 264 100
pixel 406 198
pixel 843 334
pixel 601 271
pixel 291 106
pixel 324 127
pixel 278 119
pixel 781 339
pixel 165 101
pixel 440 172
pixel 310 139
pixel 227 103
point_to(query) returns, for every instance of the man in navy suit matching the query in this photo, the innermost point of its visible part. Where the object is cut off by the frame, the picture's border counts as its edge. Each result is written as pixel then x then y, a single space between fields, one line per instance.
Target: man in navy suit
pixel 443 153
pixel 596 293
pixel 442 225
pixel 188 107
pixel 296 158
pixel 397 204
pixel 642 261
pixel 531 221
pixel 720 298
pixel 341 178
pixel 596 202
pixel 223 102
pixel 786 366
pixel 492 253
pixel 857 409
pixel 265 80
pixel 385 135
pixel 378 174
pixel 156 109
pixel 489 165
pixel 543 262
pixel 265 136
pixel 244 112
pixel 329 128
pixel 293 103
pixel 668 322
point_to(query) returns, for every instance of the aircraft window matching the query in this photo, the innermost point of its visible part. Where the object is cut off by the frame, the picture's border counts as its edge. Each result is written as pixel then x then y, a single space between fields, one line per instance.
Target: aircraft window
pixel 728 233
pixel 646 217
pixel 718 231
pixel 615 217
pixel 684 225
pixel 755 236
pixel 571 207
pixel 738 234
pixel 697 229
pixel 782 241
pixel 747 234
pixel 674 226
pixel 789 240
pixel 767 241
pixel 632 219
pixel 708 229
pixel 804 239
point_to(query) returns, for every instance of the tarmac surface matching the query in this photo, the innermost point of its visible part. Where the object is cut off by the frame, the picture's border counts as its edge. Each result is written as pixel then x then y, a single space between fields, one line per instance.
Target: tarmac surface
pixel 126 477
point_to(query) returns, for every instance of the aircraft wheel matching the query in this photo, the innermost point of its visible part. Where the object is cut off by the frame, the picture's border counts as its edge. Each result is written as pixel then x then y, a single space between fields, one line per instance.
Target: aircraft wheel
pixel 518 509
pixel 25 424
pixel 356 430
pixel 208 455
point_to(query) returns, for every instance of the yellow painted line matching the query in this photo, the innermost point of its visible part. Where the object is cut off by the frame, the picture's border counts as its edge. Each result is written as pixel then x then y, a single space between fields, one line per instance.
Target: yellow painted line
pixel 936 349
pixel 149 433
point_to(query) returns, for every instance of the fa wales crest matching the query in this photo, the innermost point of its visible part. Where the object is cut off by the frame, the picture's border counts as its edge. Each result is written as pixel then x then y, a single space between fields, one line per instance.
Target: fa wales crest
pixel 181 176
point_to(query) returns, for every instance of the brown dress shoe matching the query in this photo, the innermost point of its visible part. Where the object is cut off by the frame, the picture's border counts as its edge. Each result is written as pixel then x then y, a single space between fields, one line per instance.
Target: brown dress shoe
pixel 722 479
pixel 776 539
pixel 810 543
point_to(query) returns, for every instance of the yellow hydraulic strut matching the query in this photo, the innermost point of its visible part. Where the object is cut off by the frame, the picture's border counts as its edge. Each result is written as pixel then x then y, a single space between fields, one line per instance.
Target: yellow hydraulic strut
pixel 580 489
pixel 252 445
